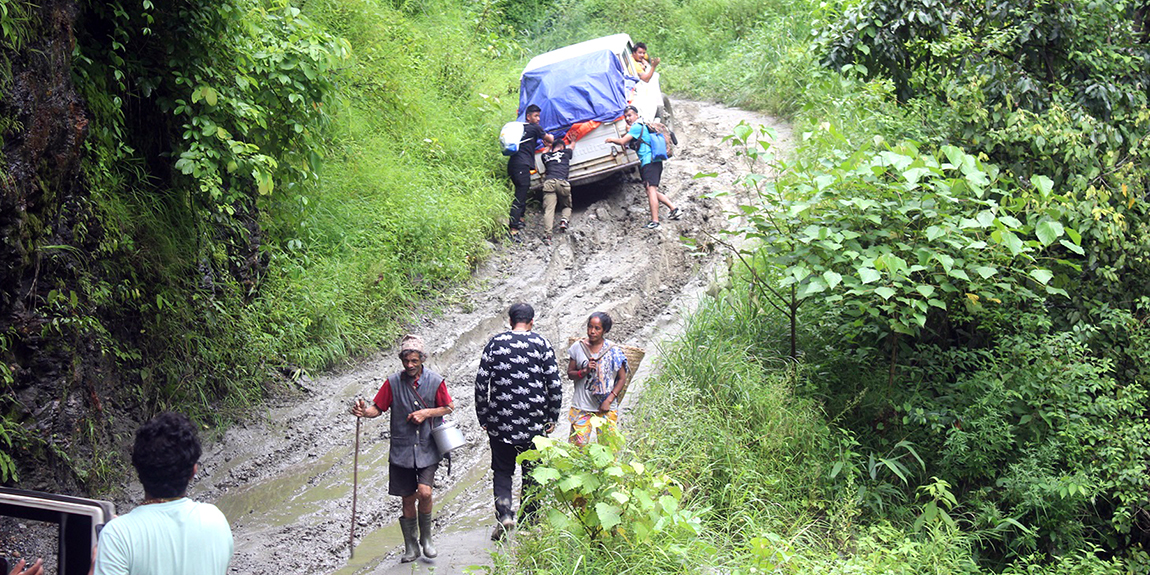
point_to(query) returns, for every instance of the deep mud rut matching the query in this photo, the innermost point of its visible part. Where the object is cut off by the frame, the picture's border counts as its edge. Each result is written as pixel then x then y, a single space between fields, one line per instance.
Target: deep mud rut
pixel 285 479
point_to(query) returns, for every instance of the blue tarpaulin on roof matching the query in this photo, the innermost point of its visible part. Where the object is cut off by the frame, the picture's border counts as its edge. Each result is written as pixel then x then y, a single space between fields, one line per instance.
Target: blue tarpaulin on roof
pixel 584 88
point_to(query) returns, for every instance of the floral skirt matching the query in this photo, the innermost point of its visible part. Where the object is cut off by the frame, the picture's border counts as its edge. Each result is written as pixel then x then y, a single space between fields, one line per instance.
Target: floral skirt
pixel 581 427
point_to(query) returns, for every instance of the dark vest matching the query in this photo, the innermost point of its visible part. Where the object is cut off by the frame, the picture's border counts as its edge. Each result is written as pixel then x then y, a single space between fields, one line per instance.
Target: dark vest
pixel 411 445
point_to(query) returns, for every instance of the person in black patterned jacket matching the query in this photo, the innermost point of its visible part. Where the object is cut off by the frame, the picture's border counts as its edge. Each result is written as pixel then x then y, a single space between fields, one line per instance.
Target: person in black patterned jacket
pixel 518 395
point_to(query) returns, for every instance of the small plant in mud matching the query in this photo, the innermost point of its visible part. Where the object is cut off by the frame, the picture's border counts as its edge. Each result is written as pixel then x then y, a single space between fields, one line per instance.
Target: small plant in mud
pixel 600 491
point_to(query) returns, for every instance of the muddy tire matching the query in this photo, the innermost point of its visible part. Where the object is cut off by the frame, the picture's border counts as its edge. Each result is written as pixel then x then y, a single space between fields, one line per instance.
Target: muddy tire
pixel 665 114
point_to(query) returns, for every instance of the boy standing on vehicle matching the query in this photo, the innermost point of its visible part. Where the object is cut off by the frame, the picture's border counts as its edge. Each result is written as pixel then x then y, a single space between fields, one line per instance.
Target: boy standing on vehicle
pixel 646 66
pixel 417 397
pixel 556 188
pixel 519 167
pixel 649 170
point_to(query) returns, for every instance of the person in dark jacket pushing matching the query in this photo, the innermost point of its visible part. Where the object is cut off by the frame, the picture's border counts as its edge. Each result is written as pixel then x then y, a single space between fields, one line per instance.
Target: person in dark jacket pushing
pixel 418 398
pixel 520 164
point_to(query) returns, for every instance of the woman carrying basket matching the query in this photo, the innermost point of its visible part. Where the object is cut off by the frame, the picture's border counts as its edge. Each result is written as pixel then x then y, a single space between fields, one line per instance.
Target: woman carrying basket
pixel 599 368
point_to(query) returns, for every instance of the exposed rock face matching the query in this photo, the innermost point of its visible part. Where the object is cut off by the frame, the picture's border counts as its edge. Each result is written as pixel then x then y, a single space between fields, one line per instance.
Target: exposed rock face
pixel 43 203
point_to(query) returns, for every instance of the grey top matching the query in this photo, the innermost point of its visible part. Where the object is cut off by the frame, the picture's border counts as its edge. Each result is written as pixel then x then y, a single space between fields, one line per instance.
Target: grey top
pixel 582 397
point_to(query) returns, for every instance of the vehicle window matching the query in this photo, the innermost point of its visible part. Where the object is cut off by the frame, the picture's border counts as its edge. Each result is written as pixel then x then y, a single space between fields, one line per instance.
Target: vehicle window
pixel 29 539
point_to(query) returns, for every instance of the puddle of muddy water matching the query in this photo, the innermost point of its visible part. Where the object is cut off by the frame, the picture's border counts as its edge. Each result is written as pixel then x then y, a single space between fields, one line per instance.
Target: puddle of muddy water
pixel 296 493
pixel 372 550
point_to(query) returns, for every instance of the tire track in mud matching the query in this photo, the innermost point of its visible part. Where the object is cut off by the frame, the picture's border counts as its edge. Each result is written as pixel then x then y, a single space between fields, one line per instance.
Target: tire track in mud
pixel 285 479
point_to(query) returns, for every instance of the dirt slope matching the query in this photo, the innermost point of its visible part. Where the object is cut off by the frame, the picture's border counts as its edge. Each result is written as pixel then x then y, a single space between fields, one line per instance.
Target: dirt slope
pixel 285 481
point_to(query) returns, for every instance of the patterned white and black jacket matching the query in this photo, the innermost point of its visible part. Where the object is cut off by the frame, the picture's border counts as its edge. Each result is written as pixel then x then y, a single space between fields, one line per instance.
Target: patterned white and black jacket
pixel 517 388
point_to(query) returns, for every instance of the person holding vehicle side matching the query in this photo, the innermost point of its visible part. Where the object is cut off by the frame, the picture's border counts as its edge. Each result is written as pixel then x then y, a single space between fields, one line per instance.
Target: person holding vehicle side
pixel 556 188
pixel 599 368
pixel 417 398
pixel 519 167
pixel 650 171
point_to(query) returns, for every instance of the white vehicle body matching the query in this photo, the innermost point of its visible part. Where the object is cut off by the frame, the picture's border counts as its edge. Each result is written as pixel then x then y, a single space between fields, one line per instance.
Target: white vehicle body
pixel 594 159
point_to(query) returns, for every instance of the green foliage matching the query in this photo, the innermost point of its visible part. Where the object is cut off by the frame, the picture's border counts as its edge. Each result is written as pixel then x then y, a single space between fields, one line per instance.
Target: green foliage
pixel 244 92
pixel 1041 432
pixel 893 233
pixel 7 466
pixel 16 29
pixel 1052 88
pixel 602 493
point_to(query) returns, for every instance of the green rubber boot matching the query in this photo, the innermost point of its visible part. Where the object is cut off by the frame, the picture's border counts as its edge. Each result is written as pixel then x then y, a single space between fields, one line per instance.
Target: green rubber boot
pixel 410 541
pixel 425 529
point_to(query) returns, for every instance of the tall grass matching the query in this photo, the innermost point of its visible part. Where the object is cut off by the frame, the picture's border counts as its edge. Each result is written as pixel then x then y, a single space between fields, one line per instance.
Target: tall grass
pixel 410 190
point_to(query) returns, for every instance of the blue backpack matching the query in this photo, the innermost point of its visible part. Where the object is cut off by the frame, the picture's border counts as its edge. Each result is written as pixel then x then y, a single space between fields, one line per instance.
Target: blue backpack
pixel 658 144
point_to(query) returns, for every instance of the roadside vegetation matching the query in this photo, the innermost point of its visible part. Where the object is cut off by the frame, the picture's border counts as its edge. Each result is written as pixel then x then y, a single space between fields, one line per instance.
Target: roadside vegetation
pixel 932 354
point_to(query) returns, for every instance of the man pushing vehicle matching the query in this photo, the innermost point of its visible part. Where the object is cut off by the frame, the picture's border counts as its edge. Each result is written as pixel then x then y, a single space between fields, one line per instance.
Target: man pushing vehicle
pixel 417 397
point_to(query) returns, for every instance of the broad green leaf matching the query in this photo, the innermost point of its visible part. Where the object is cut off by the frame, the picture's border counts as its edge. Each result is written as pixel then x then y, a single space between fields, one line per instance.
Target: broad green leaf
pixel 1074 235
pixel 954 155
pixel 985 271
pixel 901 327
pixel 1010 221
pixel 934 232
pixel 1048 231
pixel 545 475
pixel 1073 247
pixel 925 290
pixel 884 291
pixel 608 515
pixel 571 483
pixel 868 275
pixel 1043 184
pixel 815 286
pixel 946 261
pixel 743 131
pixel 669 504
pixel 833 279
pixel 1012 242
pixel 1041 276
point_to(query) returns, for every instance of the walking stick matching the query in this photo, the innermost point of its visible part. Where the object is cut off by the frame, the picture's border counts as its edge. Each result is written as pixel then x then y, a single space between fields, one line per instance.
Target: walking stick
pixel 354 488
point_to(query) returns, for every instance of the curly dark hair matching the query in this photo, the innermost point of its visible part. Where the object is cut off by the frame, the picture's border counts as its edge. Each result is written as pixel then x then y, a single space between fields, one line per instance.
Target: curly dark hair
pixel 165 453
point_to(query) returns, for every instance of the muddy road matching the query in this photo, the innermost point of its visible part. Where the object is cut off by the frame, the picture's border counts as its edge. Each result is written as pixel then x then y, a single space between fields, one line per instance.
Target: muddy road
pixel 285 480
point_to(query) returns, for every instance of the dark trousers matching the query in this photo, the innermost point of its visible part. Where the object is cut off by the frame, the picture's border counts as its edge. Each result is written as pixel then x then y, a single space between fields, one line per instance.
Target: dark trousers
pixel 503 466
pixel 520 175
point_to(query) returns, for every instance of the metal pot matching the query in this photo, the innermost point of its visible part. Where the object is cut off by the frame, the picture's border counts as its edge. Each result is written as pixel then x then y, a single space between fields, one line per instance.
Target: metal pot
pixel 447 437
